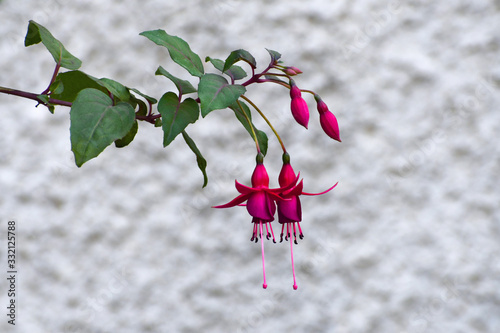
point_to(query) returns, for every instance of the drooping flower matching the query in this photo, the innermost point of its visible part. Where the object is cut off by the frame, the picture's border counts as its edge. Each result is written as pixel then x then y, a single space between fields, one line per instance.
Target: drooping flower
pixel 260 204
pixel 300 110
pixel 327 120
pixel 290 210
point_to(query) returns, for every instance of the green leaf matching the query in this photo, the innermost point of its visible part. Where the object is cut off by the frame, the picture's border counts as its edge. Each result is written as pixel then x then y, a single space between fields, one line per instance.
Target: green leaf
pixel 275 56
pixel 146 97
pixel 263 141
pixel 67 85
pixel 143 108
pixel 37 33
pixel 56 87
pixel 216 93
pixel 202 163
pixel 179 50
pixel 116 88
pixel 96 123
pixel 234 72
pixel 176 116
pixel 45 100
pixel 261 136
pixel 129 137
pixel 184 87
pixel 238 55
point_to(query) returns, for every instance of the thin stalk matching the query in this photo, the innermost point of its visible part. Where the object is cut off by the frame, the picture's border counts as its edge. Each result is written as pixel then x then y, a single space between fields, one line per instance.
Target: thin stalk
pixel 56 71
pixel 308 91
pixel 267 121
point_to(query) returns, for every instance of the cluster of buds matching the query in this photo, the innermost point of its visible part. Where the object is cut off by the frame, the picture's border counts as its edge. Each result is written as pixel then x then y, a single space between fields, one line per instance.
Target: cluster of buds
pixel 300 112
pixel 262 201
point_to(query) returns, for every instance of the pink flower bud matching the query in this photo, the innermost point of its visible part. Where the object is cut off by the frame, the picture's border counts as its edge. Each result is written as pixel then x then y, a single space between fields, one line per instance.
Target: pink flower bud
pixel 292 71
pixel 330 125
pixel 300 111
pixel 328 120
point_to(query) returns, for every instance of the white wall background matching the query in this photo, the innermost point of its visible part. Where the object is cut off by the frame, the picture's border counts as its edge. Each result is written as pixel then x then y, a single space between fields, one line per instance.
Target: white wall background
pixel 408 242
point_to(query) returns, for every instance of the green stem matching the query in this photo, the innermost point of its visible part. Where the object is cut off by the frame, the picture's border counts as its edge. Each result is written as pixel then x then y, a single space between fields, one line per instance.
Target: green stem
pixel 286 85
pixel 278 74
pixel 249 123
pixel 267 121
pixel 308 91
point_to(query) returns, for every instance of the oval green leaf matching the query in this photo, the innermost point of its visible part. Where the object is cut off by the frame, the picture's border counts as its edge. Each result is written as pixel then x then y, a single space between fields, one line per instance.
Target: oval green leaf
pixel 176 116
pixel 234 72
pixel 179 50
pixel 216 93
pixel 202 162
pixel 184 87
pixel 238 55
pixel 68 84
pixel 38 33
pixel 275 56
pixel 261 136
pixel 129 137
pixel 96 123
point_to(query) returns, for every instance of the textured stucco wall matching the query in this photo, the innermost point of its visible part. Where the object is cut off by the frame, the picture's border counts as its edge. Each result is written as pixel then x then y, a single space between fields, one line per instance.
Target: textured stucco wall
pixel 408 242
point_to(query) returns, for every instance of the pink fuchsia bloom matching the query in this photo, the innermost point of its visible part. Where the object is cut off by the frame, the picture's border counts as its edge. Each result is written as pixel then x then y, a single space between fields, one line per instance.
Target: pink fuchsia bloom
pixel 289 210
pixel 300 110
pixel 328 120
pixel 260 204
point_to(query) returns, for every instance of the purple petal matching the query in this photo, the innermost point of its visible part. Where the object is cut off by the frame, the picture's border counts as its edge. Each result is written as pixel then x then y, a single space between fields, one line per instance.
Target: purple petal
pixel 290 210
pixel 259 205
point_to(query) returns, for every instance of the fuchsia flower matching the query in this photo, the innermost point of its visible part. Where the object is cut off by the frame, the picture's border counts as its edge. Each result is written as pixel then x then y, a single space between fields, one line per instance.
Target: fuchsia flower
pixel 289 210
pixel 300 111
pixel 328 120
pixel 260 204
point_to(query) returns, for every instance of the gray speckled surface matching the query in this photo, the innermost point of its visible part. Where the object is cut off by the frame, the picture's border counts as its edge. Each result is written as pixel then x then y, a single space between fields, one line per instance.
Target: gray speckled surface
pixel 408 242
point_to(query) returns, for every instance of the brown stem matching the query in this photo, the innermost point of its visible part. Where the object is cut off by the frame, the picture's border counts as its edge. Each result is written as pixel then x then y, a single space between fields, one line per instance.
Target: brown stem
pixel 56 70
pixel 33 96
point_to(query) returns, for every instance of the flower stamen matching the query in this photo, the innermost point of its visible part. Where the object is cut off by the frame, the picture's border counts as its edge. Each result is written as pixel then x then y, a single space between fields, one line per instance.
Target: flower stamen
pixel 255 233
pixel 272 232
pixel 301 235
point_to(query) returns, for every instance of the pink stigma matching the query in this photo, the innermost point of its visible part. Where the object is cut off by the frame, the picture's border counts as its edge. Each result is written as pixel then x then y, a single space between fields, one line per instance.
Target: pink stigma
pixel 264 285
pixel 289 232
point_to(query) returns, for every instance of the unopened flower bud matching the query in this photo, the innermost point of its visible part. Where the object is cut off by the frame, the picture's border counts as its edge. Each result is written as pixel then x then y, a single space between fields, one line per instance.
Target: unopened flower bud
pixel 327 120
pixel 330 125
pixel 300 111
pixel 292 71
